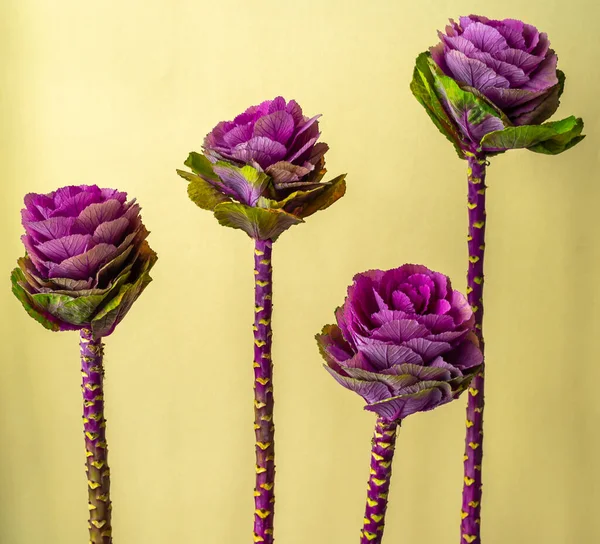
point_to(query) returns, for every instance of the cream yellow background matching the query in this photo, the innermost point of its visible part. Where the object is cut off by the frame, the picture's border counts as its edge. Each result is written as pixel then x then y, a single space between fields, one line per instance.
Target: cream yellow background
pixel 117 94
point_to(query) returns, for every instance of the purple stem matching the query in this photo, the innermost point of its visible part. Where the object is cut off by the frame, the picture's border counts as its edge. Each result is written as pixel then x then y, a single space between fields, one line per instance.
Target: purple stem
pixel 382 454
pixel 472 485
pixel 94 424
pixel 264 492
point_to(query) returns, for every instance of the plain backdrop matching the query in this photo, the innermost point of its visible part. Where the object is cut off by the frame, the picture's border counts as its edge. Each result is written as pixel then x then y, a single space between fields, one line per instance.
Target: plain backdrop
pixel 117 94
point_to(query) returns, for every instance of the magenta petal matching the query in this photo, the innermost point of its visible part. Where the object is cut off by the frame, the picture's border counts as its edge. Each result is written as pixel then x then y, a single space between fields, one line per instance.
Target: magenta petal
pixel 400 407
pixel 512 31
pixel 38 207
pixel 544 76
pixel 36 258
pixel 95 214
pixel 460 43
pixel 521 59
pixel 73 206
pixel 278 126
pixel 384 356
pixel 370 391
pixel 441 307
pixel 452 371
pixel 402 302
pixel 55 227
pixel 436 323
pixel 239 134
pixel 513 74
pixel 473 72
pixel 466 356
pixel 62 248
pixel 113 194
pixel 277 104
pixel 542 46
pixel 261 150
pixel 438 54
pixel 294 109
pixel 509 98
pixel 400 331
pixel 81 267
pixel 111 232
pixel 485 38
pixel 427 349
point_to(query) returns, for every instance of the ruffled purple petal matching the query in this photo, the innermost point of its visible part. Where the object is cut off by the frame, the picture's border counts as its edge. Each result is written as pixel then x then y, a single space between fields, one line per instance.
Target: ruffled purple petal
pixel 260 150
pixel 383 356
pixel 473 72
pixel 484 37
pixel 62 248
pixel 111 232
pixel 277 126
pixel 81 267
pixel 399 331
pixel 55 227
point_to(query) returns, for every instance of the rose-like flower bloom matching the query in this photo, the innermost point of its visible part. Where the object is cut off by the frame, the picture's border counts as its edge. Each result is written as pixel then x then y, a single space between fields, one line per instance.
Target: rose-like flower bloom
pixel 489 85
pixel 274 137
pixel 404 341
pixel 508 61
pixel 87 258
pixel 262 171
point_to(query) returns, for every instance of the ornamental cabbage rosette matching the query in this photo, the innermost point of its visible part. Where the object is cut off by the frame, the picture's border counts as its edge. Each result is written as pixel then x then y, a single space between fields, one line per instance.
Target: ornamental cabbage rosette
pixel 404 341
pixel 263 171
pixel 87 258
pixel 489 86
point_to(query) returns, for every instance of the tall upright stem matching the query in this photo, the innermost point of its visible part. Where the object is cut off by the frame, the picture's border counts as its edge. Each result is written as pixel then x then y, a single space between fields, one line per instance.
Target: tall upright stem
pixel 472 483
pixel 382 454
pixel 264 492
pixel 96 451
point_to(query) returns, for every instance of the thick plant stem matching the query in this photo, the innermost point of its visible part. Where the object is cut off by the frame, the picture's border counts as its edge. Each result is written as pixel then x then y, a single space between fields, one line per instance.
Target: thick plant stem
pixel 94 424
pixel 472 483
pixel 382 454
pixel 264 492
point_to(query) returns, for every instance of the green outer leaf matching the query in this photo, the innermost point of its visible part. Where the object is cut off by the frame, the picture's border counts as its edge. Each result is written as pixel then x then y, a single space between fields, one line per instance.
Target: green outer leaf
pixel 561 82
pixel 304 203
pixel 79 310
pixel 465 100
pixel 258 223
pixel 201 166
pixel 336 189
pixel 423 88
pixel 117 307
pixel 202 193
pixel 256 181
pixel 551 138
pixel 39 314
pixel 561 142
pixel 249 173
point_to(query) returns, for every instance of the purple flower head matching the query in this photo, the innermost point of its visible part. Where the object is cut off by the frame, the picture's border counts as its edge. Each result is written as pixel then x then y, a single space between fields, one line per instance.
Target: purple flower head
pixel 489 86
pixel 404 341
pixel 87 258
pixel 262 172
pixel 508 61
pixel 274 137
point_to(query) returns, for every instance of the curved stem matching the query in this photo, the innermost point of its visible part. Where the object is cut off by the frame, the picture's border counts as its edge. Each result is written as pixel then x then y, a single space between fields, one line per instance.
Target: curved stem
pixel 96 451
pixel 382 454
pixel 264 492
pixel 472 483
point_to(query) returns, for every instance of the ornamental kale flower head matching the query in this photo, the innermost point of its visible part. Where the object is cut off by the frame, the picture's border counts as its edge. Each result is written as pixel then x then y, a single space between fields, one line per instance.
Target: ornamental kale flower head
pixel 262 171
pixel 404 341
pixel 489 85
pixel 87 258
